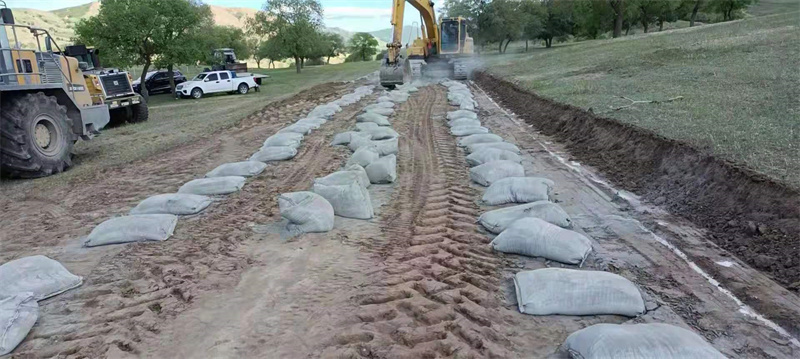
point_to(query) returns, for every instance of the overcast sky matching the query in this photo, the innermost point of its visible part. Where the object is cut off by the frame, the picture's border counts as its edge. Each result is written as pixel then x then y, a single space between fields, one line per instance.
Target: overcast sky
pixel 353 15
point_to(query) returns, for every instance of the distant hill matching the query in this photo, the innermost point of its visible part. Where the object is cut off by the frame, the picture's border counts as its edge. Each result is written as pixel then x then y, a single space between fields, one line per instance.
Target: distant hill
pixel 385 35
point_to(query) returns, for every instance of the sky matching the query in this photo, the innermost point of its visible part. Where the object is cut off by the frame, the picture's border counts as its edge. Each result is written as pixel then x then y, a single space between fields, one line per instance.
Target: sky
pixel 352 15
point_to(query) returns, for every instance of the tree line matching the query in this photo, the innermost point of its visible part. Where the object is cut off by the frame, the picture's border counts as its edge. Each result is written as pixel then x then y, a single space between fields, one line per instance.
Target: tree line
pixel 502 21
pixel 162 34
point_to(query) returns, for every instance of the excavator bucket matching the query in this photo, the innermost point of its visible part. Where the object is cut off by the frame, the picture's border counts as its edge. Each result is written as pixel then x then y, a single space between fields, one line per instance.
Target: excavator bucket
pixel 393 74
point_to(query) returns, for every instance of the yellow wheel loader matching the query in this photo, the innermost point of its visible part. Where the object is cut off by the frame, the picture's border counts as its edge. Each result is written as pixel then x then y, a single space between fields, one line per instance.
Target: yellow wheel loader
pixel 444 49
pixel 45 104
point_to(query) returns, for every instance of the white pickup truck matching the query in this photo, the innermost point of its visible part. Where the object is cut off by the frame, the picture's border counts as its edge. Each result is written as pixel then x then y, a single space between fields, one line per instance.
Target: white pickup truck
pixel 215 81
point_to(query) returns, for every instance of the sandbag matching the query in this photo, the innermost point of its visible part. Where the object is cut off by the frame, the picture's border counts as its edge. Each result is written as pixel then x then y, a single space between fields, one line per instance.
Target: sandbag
pixel 172 203
pixel 467 130
pixel 39 275
pixel 345 138
pixel 357 142
pixel 380 111
pixel 287 139
pixel 18 314
pixel 467 105
pixel 366 126
pixel 314 122
pixel 638 341
pixel 383 104
pixel 479 138
pixel 487 155
pixel 324 111
pixel 244 168
pixel 307 212
pixel 464 122
pixel 518 190
pixel 534 237
pixel 499 145
pixel 213 186
pixel 352 173
pixel 269 154
pixel 301 128
pixel 386 147
pixel 383 170
pixel 456 98
pixel 398 96
pixel 384 99
pixel 382 133
pixel 498 220
pixel 454 115
pixel 363 156
pixel 133 228
pixel 373 117
pixel 564 291
pixel 352 201
pixel 489 172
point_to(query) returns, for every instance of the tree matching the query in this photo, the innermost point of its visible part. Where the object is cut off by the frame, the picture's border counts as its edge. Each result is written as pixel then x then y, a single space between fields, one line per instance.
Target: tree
pixel 333 45
pixel 293 23
pixel 363 46
pixel 271 50
pixel 221 37
pixel 501 21
pixel 728 8
pixel 593 18
pixel 618 6
pixel 533 14
pixel 137 32
pixel 557 20
pixel 180 37
pixel 695 6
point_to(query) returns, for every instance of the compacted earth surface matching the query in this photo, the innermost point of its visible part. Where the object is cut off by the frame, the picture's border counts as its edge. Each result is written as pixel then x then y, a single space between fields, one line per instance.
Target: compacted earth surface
pixel 417 281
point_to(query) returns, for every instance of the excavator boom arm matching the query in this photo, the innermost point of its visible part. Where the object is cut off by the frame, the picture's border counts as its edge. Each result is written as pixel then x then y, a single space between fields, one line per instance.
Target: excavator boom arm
pixel 428 15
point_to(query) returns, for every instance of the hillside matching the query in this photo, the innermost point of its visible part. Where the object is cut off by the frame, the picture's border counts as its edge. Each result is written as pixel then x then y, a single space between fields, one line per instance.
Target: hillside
pixel 385 35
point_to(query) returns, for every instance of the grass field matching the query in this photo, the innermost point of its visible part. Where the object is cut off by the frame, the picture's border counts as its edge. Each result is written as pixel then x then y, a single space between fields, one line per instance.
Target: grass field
pixel 740 83
pixel 174 122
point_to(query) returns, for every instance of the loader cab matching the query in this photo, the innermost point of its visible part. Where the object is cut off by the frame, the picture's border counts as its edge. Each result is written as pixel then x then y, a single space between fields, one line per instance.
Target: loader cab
pixel 87 57
pixel 453 32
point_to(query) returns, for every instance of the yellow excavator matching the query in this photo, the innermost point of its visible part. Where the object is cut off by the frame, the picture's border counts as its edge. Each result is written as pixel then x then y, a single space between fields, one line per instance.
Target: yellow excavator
pixel 443 50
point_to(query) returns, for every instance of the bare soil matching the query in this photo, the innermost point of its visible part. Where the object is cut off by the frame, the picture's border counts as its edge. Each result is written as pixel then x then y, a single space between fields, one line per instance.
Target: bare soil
pixel 417 281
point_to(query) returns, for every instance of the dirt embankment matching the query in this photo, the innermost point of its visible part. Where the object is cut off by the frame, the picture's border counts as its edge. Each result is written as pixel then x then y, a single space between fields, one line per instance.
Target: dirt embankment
pixel 744 212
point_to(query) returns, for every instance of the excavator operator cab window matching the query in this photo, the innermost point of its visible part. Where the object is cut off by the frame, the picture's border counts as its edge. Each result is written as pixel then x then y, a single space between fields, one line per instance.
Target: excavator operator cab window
pixel 450 35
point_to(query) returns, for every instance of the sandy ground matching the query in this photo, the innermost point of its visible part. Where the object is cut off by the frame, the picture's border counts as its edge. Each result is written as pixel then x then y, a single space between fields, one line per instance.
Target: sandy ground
pixel 417 281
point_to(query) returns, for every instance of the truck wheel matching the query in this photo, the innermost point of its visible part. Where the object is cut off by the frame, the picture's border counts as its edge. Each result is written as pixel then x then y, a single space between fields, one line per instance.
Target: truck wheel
pixel 37 137
pixel 197 93
pixel 243 88
pixel 139 113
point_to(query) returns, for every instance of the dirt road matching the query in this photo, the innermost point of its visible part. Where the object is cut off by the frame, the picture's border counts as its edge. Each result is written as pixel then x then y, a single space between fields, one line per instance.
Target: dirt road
pixel 417 281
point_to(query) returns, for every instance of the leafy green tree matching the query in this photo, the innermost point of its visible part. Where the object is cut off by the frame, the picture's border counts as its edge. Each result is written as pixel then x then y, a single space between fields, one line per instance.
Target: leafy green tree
pixel 221 37
pixel 557 22
pixel 293 23
pixel 501 22
pixel 728 8
pixel 363 46
pixel 469 10
pixel 137 32
pixel 593 18
pixel 271 50
pixel 695 5
pixel 533 16
pixel 333 45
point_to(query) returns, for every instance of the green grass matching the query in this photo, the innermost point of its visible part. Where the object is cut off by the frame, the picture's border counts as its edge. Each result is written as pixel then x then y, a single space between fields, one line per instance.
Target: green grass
pixel 175 122
pixel 740 82
pixel 770 7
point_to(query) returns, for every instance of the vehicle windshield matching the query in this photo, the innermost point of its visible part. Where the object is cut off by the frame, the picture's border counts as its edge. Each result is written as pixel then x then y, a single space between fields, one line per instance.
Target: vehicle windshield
pixel 199 77
pixel 150 74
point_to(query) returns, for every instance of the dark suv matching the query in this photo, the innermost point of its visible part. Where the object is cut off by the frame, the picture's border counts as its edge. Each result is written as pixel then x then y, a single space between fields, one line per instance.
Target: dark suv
pixel 158 81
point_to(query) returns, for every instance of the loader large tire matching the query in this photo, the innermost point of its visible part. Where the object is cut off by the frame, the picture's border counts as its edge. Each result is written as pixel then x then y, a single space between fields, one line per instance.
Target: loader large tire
pixel 139 113
pixel 35 137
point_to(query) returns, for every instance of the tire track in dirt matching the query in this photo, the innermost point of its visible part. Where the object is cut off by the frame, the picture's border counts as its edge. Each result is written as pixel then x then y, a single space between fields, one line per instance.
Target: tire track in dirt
pixel 130 294
pixel 434 296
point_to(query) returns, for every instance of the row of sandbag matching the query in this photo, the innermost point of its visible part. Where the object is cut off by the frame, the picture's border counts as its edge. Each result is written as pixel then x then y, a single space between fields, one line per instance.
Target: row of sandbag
pixel 345 193
pixel 26 280
pixel 537 227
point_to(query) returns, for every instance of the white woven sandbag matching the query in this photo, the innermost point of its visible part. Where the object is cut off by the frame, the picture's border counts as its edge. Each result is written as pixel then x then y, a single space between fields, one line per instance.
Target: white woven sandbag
pixel 550 291
pixel 397 96
pixel 534 237
pixel 489 172
pixel 467 105
pixel 463 122
pixel 39 275
pixel 307 212
pixel 363 156
pixel 285 139
pixel 301 128
pixel 500 145
pixel 351 201
pixel 373 117
pixel 386 147
pixel 18 314
pixel 384 99
pixel 384 104
pixel 345 138
pixel 172 203
pixel 366 126
pixel 487 155
pixel 382 133
pixel 244 168
pixel 213 186
pixel 498 220
pixel 314 122
pixel 466 130
pixel 324 111
pixel 454 115
pixel 357 142
pixel 133 228
pixel 638 341
pixel 269 154
pixel 518 190
pixel 408 88
pixel 380 111
pixel 352 173
pixel 383 170
pixel 479 138
pixel 456 98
